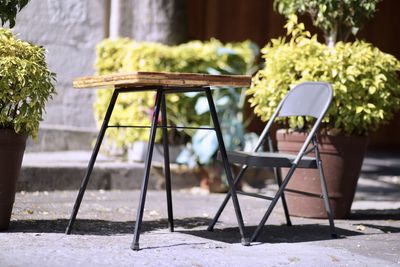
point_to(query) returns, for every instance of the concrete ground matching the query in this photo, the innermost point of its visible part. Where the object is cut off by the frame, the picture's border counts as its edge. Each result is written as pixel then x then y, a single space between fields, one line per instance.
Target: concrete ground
pixel 103 233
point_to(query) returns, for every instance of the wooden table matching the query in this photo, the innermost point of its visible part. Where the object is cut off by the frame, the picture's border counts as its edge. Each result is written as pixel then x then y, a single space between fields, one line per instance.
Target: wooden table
pixel 162 83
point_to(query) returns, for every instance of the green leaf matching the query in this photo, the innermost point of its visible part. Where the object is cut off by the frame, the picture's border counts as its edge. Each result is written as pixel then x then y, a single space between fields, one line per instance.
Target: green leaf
pixel 372 90
pixel 26 84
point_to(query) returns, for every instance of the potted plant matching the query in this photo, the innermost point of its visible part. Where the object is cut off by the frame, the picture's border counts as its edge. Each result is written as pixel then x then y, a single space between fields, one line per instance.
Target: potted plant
pixel 366 94
pixel 25 85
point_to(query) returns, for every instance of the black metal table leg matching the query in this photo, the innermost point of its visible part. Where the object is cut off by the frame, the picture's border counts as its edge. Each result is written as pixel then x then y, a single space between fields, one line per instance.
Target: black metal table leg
pixel 227 167
pixel 91 162
pixel 142 200
pixel 167 171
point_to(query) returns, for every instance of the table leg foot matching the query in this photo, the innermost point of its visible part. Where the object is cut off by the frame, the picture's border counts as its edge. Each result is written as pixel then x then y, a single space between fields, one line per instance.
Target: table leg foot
pixel 245 242
pixel 135 247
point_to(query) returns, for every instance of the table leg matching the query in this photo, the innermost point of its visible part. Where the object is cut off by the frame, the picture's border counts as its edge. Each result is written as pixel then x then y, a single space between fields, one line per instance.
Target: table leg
pixel 142 200
pixel 91 162
pixel 227 167
pixel 167 171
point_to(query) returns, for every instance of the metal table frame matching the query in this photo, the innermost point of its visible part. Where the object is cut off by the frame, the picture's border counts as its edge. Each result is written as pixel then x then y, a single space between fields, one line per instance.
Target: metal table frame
pixel 160 105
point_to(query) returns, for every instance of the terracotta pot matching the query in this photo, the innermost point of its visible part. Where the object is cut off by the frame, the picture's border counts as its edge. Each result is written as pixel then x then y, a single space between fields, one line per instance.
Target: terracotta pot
pixel 342 157
pixel 12 146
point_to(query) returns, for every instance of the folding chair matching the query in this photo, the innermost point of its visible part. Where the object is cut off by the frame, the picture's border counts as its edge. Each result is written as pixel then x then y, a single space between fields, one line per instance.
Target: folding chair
pixel 306 99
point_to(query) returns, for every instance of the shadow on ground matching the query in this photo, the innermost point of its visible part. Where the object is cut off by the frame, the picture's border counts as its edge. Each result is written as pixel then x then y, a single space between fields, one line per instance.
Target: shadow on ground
pixel 275 233
pixel 271 233
pixel 376 215
pixel 100 227
pixel 381 163
pixel 196 226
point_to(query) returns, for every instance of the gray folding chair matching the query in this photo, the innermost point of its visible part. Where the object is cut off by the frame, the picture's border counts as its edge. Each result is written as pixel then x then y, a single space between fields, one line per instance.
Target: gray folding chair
pixel 306 99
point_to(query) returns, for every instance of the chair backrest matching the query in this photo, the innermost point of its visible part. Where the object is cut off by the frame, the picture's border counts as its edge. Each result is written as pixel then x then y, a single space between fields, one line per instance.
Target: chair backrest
pixel 307 99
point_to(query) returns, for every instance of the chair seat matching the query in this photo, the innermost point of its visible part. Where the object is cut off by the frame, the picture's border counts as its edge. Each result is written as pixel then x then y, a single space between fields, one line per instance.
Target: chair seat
pixel 268 159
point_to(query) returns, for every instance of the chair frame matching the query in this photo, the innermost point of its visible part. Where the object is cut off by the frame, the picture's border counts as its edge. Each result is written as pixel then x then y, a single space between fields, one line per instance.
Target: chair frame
pixel 311 139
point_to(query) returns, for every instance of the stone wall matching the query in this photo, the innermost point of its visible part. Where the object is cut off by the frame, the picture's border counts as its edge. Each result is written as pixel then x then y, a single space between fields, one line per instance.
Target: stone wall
pixel 69 30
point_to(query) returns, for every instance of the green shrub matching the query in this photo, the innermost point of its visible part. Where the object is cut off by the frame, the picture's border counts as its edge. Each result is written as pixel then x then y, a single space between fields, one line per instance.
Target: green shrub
pixel 125 55
pixel 25 84
pixel 365 80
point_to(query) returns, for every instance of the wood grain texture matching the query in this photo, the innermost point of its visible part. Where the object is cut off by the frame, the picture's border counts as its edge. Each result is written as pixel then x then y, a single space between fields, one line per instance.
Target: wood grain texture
pixel 173 80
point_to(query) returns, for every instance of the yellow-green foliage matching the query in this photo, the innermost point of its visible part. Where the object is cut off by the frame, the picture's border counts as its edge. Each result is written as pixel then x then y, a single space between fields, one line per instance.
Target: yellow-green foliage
pixel 365 80
pixel 25 84
pixel 125 55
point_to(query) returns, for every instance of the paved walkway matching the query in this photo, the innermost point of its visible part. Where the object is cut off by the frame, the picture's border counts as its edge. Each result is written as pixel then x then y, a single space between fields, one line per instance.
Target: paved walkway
pixel 103 233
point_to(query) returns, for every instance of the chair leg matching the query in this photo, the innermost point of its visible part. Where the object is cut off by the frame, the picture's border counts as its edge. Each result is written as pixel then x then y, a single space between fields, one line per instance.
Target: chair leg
pixel 225 161
pixel 167 171
pixel 89 170
pixel 273 203
pixel 278 178
pixel 325 191
pixel 227 197
pixel 142 200
pixel 326 200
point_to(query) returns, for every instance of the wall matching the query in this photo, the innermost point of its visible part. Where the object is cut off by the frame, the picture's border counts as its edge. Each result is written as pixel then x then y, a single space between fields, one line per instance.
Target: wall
pixel 149 20
pixel 384 31
pixel 234 20
pixel 69 30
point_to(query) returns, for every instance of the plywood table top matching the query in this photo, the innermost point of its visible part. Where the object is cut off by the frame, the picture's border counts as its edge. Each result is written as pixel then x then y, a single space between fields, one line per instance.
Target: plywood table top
pixel 166 79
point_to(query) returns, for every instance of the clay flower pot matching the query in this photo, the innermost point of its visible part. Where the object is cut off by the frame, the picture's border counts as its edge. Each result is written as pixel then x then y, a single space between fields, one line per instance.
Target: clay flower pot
pixel 12 146
pixel 342 157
